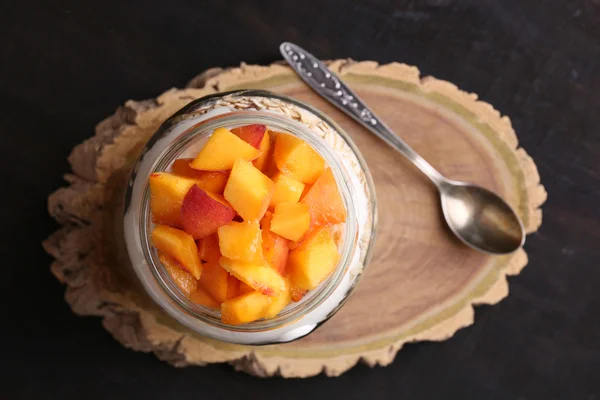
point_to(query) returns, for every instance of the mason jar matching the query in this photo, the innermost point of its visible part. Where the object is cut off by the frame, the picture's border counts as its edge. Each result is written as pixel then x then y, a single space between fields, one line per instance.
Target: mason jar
pixel 182 135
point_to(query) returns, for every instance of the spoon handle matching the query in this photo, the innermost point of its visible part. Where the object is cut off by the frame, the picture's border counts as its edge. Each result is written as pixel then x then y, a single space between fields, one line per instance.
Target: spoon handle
pixel 329 86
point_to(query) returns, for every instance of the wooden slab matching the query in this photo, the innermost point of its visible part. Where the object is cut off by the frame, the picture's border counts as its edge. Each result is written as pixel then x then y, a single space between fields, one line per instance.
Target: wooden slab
pixel 421 283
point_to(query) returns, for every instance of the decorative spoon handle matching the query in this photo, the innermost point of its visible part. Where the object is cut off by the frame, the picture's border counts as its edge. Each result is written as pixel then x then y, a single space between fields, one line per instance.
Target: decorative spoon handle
pixel 316 75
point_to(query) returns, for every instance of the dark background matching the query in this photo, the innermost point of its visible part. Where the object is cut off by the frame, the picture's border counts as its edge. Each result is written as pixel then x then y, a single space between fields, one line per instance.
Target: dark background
pixel 65 65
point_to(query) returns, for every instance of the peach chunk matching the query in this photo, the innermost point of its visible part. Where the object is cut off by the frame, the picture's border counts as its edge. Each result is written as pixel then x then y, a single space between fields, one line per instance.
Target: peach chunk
pixel 297 293
pixel 202 212
pixel 201 296
pixel 258 276
pixel 275 247
pixel 181 167
pixel 186 282
pixel 251 134
pixel 241 241
pixel 279 302
pixel 295 158
pixel 325 202
pixel 287 190
pixel 305 191
pixel 338 233
pixel 208 249
pixel 265 153
pixel 244 289
pixel 178 245
pixel 244 309
pixel 313 260
pixel 221 151
pixel 214 281
pixel 248 190
pixel 211 181
pixel 291 220
pixel 166 196
pixel 233 287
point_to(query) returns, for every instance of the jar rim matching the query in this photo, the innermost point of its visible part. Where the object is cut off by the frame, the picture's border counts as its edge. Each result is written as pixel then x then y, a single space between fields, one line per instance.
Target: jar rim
pixel 182 130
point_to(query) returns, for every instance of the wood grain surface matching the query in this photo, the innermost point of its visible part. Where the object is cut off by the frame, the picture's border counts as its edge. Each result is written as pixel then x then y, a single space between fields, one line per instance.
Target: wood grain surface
pixel 421 281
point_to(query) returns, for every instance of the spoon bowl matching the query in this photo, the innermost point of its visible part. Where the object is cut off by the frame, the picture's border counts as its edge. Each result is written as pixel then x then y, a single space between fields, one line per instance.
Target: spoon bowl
pixel 480 218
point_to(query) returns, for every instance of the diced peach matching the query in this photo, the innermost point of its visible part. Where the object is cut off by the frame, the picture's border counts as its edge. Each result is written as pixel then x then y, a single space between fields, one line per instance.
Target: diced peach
pixel 291 220
pixel 251 134
pixel 279 302
pixel 270 168
pixel 214 281
pixel 241 241
pixel 244 289
pixel 166 196
pixel 244 309
pixel 274 134
pixel 202 212
pixel 233 287
pixel 260 276
pixel 208 248
pixel 325 202
pixel 295 158
pixel 287 190
pixel 265 153
pixel 221 151
pixel 211 181
pixel 338 233
pixel 186 282
pixel 297 293
pixel 275 247
pixel 305 191
pixel 201 296
pixel 181 167
pixel 313 260
pixel 248 190
pixel 214 181
pixel 178 245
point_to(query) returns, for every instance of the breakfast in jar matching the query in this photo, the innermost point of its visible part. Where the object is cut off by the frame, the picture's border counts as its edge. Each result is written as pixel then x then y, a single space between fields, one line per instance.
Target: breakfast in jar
pixel 248 225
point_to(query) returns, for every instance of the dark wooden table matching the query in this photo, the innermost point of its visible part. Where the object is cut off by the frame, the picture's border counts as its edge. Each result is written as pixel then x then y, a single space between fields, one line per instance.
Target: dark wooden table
pixel 65 65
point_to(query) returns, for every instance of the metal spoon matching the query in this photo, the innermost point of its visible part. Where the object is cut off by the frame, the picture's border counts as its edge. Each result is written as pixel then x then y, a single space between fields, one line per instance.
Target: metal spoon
pixel 478 217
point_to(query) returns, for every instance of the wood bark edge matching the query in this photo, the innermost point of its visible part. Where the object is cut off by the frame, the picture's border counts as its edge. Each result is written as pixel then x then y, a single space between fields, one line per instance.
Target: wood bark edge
pixel 81 209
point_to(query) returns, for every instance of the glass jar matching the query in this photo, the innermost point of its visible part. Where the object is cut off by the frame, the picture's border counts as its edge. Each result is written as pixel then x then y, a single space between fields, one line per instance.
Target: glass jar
pixel 182 135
